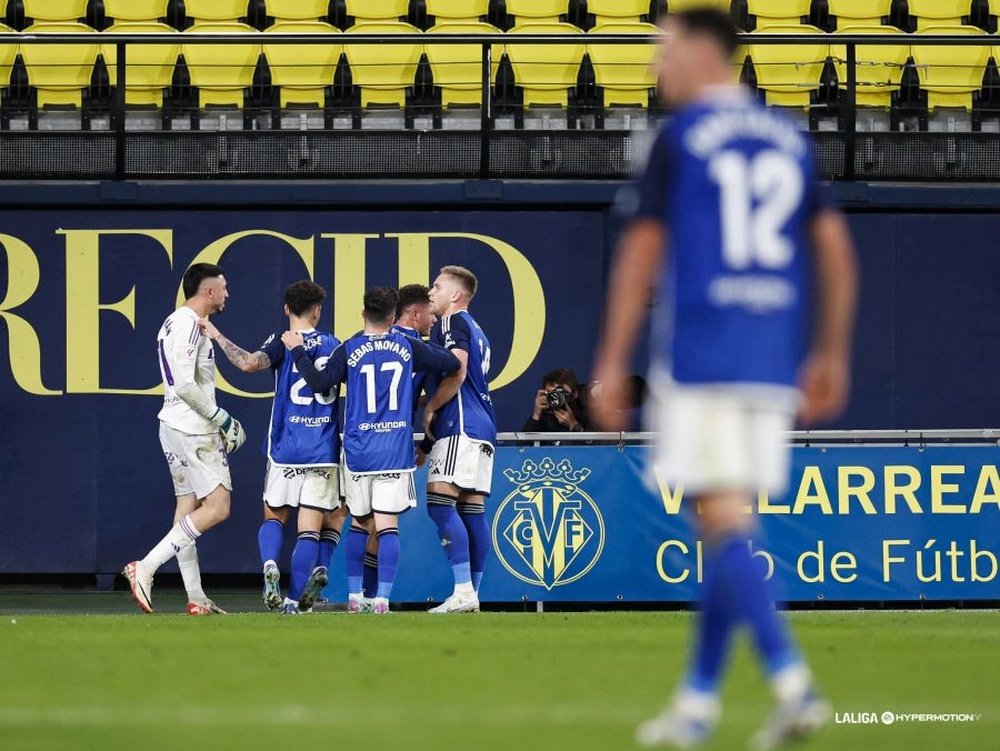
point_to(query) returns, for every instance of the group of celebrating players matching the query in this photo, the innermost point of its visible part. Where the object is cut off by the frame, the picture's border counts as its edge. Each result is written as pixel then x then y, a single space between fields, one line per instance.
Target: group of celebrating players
pixel 323 466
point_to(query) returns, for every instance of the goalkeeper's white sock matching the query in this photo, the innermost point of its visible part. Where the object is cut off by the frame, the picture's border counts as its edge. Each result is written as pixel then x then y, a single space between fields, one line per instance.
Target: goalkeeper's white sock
pixel 181 535
pixel 187 561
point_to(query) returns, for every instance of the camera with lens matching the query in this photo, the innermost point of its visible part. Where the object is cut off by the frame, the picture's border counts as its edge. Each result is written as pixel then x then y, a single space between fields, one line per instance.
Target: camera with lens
pixel 558 398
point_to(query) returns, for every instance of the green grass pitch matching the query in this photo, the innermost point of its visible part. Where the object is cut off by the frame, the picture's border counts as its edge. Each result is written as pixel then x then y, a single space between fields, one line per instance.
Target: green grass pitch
pixel 504 681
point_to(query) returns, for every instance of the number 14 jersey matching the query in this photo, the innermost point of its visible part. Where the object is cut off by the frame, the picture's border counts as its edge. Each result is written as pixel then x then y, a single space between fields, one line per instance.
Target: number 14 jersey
pixel 735 186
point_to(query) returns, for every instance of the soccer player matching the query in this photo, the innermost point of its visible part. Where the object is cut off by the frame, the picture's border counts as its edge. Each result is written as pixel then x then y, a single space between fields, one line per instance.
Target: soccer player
pixel 459 417
pixel 377 365
pixel 196 436
pixel 303 453
pixel 730 218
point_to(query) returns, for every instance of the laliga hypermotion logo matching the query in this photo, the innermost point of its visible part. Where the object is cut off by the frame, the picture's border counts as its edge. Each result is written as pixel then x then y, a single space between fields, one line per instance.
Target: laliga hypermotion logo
pixel 548 531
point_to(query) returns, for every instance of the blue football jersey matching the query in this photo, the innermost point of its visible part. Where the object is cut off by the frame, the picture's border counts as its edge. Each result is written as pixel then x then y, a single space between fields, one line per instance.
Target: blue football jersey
pixel 378 411
pixel 419 378
pixel 303 430
pixel 470 413
pixel 735 184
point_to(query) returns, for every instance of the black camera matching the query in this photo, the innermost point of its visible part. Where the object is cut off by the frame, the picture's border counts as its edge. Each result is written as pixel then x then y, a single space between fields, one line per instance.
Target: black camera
pixel 558 398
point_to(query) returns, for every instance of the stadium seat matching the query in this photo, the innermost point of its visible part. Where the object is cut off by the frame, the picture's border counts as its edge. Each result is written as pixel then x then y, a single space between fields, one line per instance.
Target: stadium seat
pixel 59 72
pixel 541 10
pixel 788 73
pixel 624 71
pixel 939 12
pixel 384 72
pixel 225 11
pixel 857 13
pixel 546 72
pixel 8 54
pixel 222 72
pixel 444 11
pixel 377 10
pixel 298 10
pixel 135 10
pixel 676 6
pixel 617 10
pixel 879 69
pixel 458 68
pixel 149 68
pixel 303 72
pixel 778 12
pixel 951 75
pixel 55 10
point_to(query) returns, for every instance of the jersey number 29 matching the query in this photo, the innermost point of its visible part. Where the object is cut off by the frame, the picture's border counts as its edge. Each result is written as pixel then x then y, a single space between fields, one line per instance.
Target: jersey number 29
pixel 758 195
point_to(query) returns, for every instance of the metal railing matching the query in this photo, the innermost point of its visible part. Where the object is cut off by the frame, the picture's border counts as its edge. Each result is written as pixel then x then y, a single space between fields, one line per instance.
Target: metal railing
pixel 487 42
pixel 965 436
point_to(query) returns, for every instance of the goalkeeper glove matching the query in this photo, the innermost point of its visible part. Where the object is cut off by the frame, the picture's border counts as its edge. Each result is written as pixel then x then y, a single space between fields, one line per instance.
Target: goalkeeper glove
pixel 233 435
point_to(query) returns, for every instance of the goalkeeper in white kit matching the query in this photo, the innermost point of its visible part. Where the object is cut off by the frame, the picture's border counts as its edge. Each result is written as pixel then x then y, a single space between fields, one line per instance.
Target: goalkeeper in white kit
pixel 196 435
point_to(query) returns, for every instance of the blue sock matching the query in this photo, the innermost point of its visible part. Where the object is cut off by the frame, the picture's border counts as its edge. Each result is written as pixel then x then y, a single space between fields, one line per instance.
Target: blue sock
pixel 371 574
pixel 303 561
pixel 357 540
pixel 388 560
pixel 716 620
pixel 754 603
pixel 328 540
pixel 454 537
pixel 269 538
pixel 473 516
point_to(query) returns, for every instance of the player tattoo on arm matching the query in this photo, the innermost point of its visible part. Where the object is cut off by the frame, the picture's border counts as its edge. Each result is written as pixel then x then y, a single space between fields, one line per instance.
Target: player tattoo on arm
pixel 248 362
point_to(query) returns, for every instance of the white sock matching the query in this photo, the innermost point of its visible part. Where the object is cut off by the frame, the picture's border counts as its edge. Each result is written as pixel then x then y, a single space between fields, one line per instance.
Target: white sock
pixel 182 534
pixel 791 683
pixel 466 589
pixel 701 705
pixel 187 560
pixel 269 563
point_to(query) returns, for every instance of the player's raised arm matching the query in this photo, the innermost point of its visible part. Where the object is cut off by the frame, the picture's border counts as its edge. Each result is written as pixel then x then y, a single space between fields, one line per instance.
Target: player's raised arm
pixel 248 362
pixel 430 358
pixel 320 381
pixel 825 378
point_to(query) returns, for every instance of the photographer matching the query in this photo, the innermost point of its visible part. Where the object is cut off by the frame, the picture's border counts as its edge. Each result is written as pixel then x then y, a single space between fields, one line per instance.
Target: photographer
pixel 558 407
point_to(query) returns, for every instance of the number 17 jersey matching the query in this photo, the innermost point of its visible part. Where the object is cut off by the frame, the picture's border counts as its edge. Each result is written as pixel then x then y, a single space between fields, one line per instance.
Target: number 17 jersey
pixel 735 186
pixel 303 430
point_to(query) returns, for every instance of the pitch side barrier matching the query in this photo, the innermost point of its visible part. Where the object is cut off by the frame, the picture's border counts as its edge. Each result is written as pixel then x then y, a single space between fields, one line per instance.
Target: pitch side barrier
pixel 882 516
pixel 586 140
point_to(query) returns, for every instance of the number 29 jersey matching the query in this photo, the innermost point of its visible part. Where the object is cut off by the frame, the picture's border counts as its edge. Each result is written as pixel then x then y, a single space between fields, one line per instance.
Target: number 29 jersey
pixel 303 430
pixel 735 185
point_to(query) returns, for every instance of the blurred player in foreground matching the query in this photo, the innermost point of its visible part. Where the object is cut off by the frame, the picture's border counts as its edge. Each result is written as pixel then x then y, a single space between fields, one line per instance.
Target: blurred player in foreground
pixel 303 454
pixel 196 436
pixel 459 417
pixel 731 191
pixel 377 365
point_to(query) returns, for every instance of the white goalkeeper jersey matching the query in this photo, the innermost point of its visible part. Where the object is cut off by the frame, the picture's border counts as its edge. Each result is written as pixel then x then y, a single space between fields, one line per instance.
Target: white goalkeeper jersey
pixel 186 356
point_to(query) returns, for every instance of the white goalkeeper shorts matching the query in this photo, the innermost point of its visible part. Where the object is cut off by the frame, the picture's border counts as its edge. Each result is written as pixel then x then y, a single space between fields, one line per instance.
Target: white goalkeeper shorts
pixel 722 438
pixel 316 488
pixel 462 462
pixel 198 463
pixel 387 493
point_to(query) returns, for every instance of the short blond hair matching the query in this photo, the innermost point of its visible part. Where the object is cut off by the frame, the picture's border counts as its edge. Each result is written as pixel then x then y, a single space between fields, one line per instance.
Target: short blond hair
pixel 465 277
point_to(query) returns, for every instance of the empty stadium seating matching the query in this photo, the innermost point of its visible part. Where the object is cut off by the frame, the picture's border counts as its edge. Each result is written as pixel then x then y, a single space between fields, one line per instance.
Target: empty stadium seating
pixel 457 68
pixel 950 75
pixel 215 10
pixel 59 73
pixel 222 72
pixel 55 10
pixel 624 72
pixel 142 11
pixel 617 10
pixel 384 72
pixel 778 12
pixel 8 53
pixel 546 72
pixel 547 10
pixel 788 73
pixel 676 6
pixel 377 10
pixel 880 67
pixel 149 68
pixel 447 11
pixel 297 10
pixel 938 12
pixel 303 72
pixel 857 13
